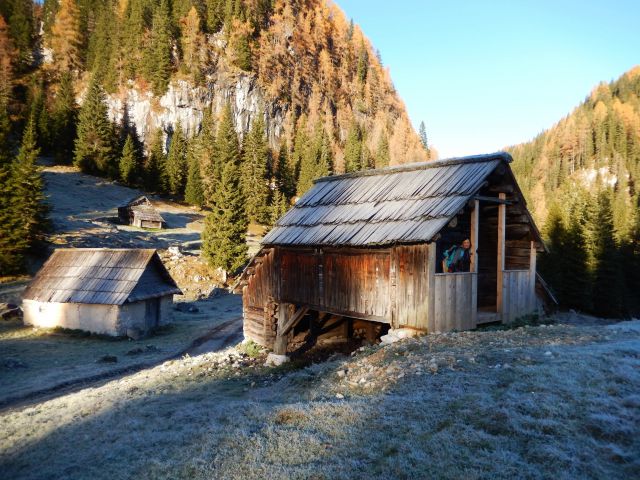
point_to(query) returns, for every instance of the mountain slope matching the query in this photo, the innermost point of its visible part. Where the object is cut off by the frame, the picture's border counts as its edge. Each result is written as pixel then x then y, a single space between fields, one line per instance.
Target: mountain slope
pixel 300 63
pixel 581 179
pixel 598 141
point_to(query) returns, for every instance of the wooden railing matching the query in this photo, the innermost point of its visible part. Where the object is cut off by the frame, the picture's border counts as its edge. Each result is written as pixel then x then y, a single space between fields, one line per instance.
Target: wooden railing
pixel 518 294
pixel 454 301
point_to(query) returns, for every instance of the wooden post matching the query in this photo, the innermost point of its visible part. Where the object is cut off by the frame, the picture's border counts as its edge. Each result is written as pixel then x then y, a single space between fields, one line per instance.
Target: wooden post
pixel 475 219
pixel 532 277
pixel 502 216
pixel 431 287
pixel 475 225
pixel 280 343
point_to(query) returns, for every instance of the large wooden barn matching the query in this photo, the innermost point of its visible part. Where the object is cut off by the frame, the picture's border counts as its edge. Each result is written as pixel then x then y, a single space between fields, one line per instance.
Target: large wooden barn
pixel 108 291
pixel 367 246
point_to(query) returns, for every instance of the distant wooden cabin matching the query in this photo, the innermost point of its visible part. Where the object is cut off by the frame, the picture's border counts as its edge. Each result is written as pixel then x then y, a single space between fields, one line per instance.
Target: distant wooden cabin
pixel 140 212
pixel 107 291
pixel 368 246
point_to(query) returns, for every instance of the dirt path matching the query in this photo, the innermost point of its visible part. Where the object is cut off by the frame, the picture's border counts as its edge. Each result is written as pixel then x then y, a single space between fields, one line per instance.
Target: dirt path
pixel 218 338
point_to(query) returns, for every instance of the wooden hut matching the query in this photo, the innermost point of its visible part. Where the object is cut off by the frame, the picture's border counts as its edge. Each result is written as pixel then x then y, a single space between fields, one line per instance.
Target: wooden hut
pixel 367 246
pixel 139 212
pixel 108 291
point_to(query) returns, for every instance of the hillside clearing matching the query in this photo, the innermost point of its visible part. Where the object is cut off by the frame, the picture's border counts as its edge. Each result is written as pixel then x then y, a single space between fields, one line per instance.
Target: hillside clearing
pixel 35 359
pixel 537 402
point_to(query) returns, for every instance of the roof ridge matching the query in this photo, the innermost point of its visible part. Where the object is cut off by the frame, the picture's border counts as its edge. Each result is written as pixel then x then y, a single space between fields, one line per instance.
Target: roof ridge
pixel 409 167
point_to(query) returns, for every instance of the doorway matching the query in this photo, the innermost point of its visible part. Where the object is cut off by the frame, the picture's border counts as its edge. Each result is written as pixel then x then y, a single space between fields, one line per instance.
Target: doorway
pixel 152 313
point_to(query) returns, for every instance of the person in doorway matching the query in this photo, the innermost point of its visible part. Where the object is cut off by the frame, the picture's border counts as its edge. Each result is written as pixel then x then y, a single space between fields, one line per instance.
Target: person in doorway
pixel 457 258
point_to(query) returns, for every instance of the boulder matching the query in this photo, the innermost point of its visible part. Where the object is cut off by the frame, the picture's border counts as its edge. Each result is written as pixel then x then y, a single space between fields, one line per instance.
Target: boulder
pixel 276 360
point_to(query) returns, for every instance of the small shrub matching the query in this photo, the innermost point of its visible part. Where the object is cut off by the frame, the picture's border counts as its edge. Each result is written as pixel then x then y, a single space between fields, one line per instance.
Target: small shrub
pixel 251 348
pixel 289 416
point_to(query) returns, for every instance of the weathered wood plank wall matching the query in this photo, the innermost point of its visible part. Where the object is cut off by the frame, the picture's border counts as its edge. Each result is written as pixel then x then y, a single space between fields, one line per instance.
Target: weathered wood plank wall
pixel 412 288
pixel 357 282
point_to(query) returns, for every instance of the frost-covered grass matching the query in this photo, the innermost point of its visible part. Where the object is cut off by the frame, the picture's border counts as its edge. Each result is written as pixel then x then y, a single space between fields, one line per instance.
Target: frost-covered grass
pixel 34 359
pixel 536 402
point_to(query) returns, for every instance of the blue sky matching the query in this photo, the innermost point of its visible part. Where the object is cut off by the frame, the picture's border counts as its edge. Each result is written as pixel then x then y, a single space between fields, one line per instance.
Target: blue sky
pixel 484 75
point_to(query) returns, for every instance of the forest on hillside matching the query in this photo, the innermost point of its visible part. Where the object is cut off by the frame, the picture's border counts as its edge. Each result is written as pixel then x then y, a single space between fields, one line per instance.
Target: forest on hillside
pixel 66 63
pixel 581 179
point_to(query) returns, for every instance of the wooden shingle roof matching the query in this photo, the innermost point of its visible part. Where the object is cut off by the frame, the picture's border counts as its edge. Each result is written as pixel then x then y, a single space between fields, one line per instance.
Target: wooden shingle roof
pixel 405 204
pixel 101 276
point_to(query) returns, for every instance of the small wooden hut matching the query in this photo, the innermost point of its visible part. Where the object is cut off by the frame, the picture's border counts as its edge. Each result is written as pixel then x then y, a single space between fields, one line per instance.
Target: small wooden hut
pixel 107 291
pixel 139 212
pixel 367 246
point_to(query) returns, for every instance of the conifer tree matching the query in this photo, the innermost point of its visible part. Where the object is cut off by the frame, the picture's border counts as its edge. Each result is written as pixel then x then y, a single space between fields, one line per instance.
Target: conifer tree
pixel 608 287
pixel 284 177
pixel 65 114
pixel 191 41
pixel 21 25
pixel 95 149
pixel 154 167
pixel 8 55
pixel 353 149
pixel 158 56
pixel 129 162
pixel 28 199
pixel 254 179
pixel 423 136
pixel 316 161
pixel 194 193
pixel 176 166
pixel 224 236
pixel 382 154
pixel 227 148
pixel 66 37
pixel 279 207
pixel 215 15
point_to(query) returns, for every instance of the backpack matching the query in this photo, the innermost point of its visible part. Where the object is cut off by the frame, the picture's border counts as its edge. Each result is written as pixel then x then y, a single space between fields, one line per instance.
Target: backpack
pixel 450 257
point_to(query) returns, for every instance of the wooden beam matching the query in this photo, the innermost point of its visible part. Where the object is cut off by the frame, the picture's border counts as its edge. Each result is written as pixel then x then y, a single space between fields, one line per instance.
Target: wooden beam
pixel 475 226
pixel 280 343
pixel 431 294
pixel 502 215
pixel 293 320
pixel 500 200
pixel 532 277
pixel 475 223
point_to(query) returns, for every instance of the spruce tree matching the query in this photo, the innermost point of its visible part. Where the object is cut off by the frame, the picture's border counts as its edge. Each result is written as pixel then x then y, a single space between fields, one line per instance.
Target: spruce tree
pixel 28 197
pixel 224 236
pixel 65 114
pixel 176 166
pixel 279 207
pixel 227 148
pixel 316 161
pixel 95 146
pixel 129 162
pixel 154 167
pixel 353 149
pixel 254 179
pixel 194 193
pixel 383 157
pixel 608 287
pixel 21 25
pixel 284 177
pixel 423 136
pixel 158 55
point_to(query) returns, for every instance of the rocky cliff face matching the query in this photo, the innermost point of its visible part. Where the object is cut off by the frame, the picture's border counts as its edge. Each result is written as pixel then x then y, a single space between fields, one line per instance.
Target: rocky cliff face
pixel 186 103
